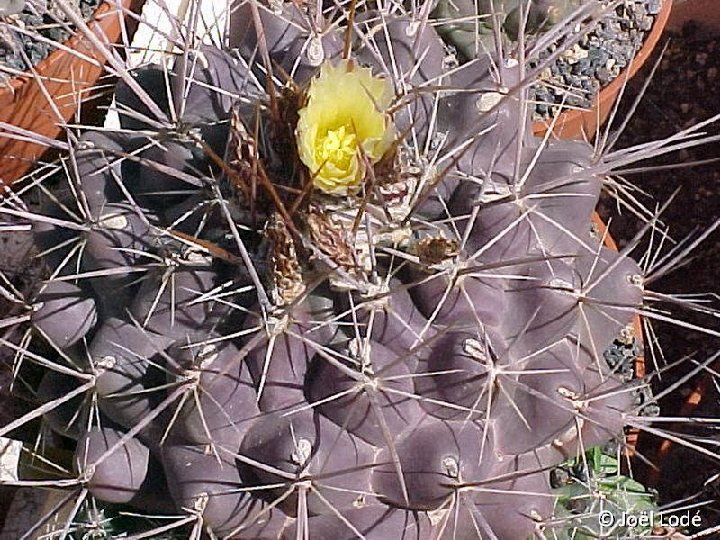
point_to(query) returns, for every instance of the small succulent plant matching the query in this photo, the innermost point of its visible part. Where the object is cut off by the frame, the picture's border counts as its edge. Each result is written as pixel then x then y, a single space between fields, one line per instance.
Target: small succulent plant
pixel 470 25
pixel 594 498
pixel 326 284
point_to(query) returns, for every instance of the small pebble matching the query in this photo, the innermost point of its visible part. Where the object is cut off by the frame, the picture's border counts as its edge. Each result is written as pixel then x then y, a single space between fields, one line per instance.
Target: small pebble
pixel 601 55
pixel 12 48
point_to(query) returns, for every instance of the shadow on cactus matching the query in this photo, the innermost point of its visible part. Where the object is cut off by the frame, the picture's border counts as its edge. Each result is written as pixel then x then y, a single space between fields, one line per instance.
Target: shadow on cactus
pixel 326 284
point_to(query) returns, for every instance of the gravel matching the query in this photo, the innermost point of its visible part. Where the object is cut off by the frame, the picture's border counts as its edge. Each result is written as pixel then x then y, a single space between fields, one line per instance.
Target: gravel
pixel 599 57
pixel 38 18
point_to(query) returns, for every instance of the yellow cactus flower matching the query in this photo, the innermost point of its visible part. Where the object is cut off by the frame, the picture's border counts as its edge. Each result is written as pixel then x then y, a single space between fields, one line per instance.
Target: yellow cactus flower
pixel 344 119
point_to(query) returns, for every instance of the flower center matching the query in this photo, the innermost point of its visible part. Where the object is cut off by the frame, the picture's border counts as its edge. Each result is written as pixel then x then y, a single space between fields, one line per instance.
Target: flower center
pixel 338 147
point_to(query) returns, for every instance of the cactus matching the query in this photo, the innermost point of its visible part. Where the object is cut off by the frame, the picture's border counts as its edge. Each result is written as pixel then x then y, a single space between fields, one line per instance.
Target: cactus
pixel 302 293
pixel 470 25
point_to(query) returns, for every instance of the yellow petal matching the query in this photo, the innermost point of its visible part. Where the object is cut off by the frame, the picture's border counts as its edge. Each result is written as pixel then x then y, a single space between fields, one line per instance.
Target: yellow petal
pixel 346 111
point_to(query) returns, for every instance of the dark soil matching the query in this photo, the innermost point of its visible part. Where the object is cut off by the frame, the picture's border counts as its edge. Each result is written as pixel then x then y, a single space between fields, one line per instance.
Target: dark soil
pixel 684 91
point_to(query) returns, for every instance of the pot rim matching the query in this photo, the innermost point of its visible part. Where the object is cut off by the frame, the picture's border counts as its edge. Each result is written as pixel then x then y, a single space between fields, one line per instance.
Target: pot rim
pixel 575 123
pixel 104 9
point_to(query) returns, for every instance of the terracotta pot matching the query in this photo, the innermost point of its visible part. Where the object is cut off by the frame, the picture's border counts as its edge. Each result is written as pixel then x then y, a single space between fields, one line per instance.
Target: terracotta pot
pixel 68 80
pixel 582 124
pixel 661 451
